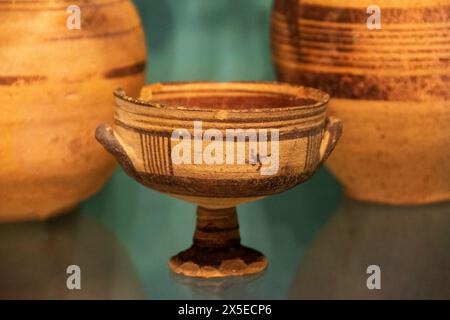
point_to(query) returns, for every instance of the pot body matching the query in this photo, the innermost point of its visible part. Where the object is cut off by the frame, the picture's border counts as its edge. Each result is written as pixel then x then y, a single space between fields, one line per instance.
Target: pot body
pixel 389 86
pixel 56 84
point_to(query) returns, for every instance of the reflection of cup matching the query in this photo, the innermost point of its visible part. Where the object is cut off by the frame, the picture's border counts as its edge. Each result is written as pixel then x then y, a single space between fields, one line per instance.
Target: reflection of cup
pixel 409 244
pixel 34 258
pixel 221 288
pixel 142 142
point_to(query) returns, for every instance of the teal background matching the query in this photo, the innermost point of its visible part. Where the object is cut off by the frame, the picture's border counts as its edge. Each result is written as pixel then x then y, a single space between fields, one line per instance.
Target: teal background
pixel 211 40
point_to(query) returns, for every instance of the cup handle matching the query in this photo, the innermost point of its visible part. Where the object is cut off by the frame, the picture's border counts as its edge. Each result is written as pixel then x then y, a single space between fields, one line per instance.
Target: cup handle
pixel 105 135
pixel 331 135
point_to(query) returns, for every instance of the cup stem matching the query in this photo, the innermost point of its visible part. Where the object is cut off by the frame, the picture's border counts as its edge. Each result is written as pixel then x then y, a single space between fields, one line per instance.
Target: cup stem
pixel 216 249
pixel 217 228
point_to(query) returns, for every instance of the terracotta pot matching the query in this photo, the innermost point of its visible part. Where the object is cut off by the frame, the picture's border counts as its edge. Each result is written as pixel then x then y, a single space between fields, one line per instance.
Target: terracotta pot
pixel 298 138
pixel 55 87
pixel 389 86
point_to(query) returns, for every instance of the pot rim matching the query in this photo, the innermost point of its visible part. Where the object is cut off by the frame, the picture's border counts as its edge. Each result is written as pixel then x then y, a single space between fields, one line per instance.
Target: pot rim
pixel 283 89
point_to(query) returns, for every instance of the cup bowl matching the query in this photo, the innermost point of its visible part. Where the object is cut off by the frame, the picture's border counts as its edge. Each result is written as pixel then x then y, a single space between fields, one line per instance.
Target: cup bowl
pixel 284 125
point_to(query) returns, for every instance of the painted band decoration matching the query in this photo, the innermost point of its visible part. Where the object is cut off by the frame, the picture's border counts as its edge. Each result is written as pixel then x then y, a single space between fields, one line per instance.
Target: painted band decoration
pixel 331 48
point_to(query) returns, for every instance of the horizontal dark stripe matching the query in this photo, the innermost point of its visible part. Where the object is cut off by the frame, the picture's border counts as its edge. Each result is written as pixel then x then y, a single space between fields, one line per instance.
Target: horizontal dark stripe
pixel 250 125
pixel 378 35
pixel 111 34
pixel 320 54
pixel 208 244
pixel 216 229
pixel 335 39
pixel 367 38
pixel 293 134
pixel 320 110
pixel 375 64
pixel 10 80
pixel 284 24
pixel 133 69
pixel 69 2
pixel 431 14
pixel 351 49
pixel 27 6
pixel 371 87
pixel 222 188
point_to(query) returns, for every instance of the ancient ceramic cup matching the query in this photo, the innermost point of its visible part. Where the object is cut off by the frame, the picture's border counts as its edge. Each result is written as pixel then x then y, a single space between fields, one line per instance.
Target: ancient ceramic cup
pixel 221 167
pixel 390 87
pixel 55 87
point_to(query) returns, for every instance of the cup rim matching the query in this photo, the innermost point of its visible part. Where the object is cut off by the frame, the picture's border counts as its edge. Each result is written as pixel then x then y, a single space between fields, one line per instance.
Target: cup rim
pixel 281 88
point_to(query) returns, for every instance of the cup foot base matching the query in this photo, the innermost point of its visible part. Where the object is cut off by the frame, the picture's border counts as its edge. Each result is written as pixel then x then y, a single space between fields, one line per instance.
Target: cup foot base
pixel 207 262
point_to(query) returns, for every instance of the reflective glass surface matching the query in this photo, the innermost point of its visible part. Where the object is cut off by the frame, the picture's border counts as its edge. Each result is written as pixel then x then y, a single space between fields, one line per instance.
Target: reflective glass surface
pixel 122 244
pixel 318 243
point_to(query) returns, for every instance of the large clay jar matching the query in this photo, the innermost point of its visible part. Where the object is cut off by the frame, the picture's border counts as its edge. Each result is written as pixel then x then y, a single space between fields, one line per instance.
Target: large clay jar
pixel 390 87
pixel 56 85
